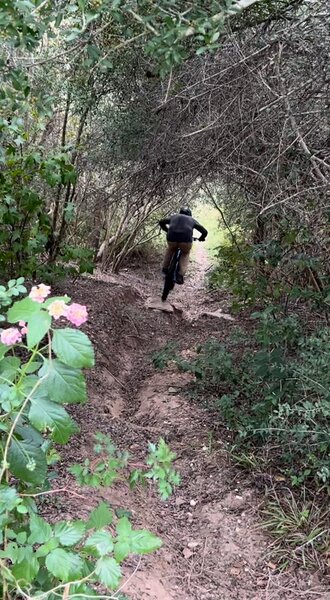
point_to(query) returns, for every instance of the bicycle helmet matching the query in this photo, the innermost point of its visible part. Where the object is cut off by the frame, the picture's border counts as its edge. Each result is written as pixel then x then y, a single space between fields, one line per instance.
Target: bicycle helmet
pixel 185 211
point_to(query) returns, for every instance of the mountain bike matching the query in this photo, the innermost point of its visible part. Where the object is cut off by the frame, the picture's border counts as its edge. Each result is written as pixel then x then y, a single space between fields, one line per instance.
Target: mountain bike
pixel 170 277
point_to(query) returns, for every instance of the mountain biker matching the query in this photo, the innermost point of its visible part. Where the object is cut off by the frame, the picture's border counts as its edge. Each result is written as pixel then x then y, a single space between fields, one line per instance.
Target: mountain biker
pixel 179 229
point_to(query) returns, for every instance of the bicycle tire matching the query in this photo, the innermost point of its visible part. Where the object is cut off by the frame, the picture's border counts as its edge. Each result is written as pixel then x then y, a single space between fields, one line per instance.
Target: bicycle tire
pixel 170 277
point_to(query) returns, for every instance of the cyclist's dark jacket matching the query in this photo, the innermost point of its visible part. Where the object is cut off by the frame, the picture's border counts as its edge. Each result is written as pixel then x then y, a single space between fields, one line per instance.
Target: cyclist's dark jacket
pixel 179 228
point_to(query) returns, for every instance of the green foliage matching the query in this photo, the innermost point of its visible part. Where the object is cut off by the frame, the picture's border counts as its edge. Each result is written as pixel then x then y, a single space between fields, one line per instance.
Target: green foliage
pixel 270 272
pixel 160 462
pixel 273 393
pixel 37 380
pixel 15 288
pixel 109 467
pixel 162 357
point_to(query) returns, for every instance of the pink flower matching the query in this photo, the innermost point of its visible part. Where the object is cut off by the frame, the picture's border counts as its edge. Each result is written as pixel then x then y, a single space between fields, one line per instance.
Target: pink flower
pixel 76 314
pixel 23 326
pixel 10 336
pixel 57 309
pixel 39 292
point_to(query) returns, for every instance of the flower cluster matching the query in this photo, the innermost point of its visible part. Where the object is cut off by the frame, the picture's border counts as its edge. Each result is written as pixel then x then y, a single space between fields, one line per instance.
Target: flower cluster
pixel 10 336
pixel 75 313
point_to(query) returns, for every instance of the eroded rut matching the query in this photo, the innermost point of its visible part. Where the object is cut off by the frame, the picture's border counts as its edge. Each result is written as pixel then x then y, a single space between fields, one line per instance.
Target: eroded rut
pixel 213 546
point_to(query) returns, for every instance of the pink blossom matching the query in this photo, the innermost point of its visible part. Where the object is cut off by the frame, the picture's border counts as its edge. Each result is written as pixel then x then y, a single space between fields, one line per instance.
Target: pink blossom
pixel 76 314
pixel 10 336
pixel 23 326
pixel 39 292
pixel 57 309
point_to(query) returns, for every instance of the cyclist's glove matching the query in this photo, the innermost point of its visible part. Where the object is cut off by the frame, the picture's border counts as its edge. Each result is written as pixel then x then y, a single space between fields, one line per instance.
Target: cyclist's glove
pixel 202 239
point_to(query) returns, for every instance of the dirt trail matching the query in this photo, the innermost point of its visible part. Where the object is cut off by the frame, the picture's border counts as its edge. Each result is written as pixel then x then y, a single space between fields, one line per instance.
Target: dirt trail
pixel 213 545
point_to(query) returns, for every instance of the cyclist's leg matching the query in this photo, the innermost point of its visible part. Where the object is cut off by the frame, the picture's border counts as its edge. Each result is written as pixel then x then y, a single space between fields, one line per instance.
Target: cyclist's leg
pixel 171 248
pixel 185 248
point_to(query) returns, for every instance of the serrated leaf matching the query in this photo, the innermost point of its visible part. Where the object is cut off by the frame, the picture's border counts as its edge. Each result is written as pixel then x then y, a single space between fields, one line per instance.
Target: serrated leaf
pixel 63 384
pixel 64 565
pixel 100 517
pixel 8 498
pixel 124 527
pixel 108 572
pixel 45 414
pixel 9 368
pixel 26 568
pixel 101 541
pixel 144 542
pixel 130 541
pixel 45 549
pixel 27 461
pixel 38 326
pixel 23 310
pixel 41 531
pixel 121 550
pixel 73 348
pixel 69 533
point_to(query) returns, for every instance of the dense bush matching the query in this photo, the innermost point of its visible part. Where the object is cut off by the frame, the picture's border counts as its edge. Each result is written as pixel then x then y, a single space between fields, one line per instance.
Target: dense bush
pixel 272 391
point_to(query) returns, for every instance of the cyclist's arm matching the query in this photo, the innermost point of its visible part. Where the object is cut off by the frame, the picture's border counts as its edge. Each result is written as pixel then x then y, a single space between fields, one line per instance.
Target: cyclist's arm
pixel 163 224
pixel 201 230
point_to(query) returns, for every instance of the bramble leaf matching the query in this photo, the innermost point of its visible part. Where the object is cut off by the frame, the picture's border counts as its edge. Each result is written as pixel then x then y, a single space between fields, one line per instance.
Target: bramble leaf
pixel 100 517
pixel 108 571
pixel 64 565
pixel 101 541
pixel 69 533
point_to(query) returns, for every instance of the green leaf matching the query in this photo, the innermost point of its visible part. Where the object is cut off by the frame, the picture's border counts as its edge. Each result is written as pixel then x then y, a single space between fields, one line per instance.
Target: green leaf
pixel 124 527
pixel 129 541
pixel 63 384
pixel 39 324
pixel 100 517
pixel 73 348
pixel 27 461
pixel 121 550
pixel 9 368
pixel 41 531
pixel 27 566
pixel 31 367
pixel 108 572
pixel 3 350
pixel 23 310
pixel 8 498
pixel 144 542
pixel 45 549
pixel 101 541
pixel 69 533
pixel 45 415
pixel 64 565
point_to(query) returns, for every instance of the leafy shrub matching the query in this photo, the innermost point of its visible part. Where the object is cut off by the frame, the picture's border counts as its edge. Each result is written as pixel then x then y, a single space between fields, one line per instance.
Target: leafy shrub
pixel 274 394
pixel 270 272
pixel 41 370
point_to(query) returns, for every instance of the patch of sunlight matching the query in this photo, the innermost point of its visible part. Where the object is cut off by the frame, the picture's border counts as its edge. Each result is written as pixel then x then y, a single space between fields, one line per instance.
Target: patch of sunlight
pixel 209 217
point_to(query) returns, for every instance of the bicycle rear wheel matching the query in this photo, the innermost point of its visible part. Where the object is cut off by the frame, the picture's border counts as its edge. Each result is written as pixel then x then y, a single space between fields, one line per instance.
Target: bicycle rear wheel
pixel 170 277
